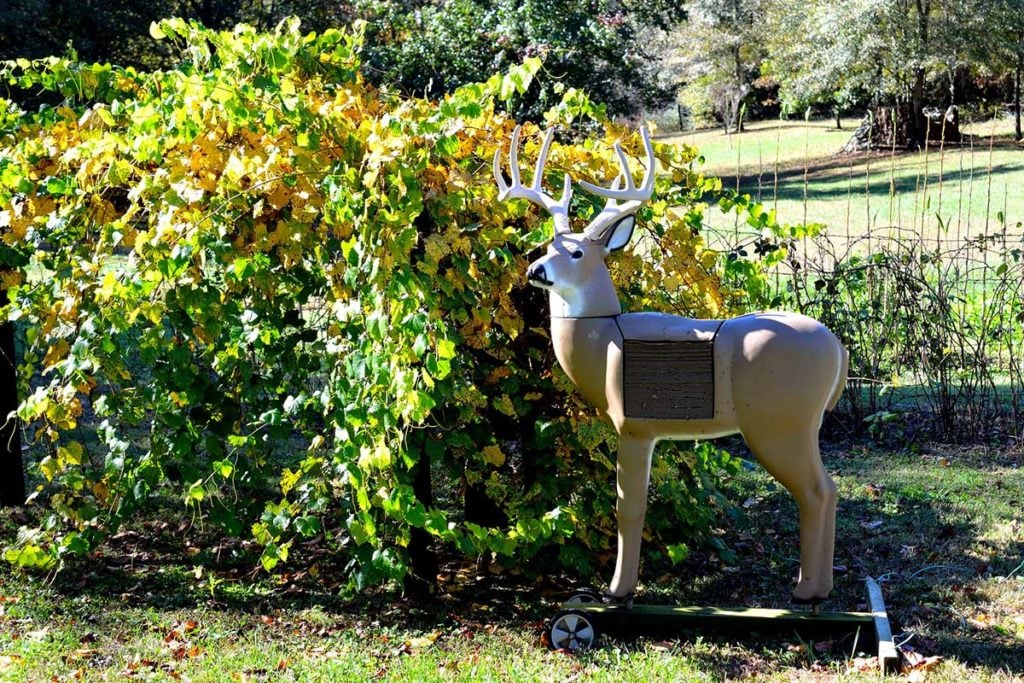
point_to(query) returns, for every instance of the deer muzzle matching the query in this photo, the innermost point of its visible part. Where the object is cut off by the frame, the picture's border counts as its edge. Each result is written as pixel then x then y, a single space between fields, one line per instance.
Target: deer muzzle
pixel 537 276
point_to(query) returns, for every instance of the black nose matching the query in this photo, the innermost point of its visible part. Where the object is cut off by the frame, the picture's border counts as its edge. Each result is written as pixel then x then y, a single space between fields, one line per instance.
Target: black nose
pixel 537 274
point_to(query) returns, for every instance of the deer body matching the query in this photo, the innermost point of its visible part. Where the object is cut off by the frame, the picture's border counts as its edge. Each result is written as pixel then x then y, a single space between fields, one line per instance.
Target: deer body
pixel 775 376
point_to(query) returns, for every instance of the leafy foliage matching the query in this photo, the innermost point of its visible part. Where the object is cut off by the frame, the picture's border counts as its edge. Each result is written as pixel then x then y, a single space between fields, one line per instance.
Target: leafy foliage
pixel 259 286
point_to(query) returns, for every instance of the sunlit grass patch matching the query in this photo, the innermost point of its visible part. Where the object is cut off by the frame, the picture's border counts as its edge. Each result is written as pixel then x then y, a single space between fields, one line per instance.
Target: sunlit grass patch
pixel 945 193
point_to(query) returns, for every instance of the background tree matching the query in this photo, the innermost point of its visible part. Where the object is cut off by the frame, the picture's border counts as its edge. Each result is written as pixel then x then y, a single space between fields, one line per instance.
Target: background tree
pixel 888 52
pixel 716 55
pixel 419 47
pixel 822 53
pixel 1004 48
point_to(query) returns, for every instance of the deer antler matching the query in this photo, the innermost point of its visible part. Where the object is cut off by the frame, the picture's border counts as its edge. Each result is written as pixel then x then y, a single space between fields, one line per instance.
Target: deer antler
pixel 622 202
pixel 559 209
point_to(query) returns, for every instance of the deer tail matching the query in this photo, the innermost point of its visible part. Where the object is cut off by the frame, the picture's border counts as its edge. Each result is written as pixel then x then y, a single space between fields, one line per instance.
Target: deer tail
pixel 837 389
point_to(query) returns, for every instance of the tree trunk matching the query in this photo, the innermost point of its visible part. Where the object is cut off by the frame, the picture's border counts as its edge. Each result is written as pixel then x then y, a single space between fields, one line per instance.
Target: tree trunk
pixel 421 582
pixel 917 124
pixel 1016 98
pixel 12 471
pixel 839 120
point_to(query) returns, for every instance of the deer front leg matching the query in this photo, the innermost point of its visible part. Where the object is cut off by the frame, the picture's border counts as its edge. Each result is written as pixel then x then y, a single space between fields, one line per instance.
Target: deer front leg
pixel 633 472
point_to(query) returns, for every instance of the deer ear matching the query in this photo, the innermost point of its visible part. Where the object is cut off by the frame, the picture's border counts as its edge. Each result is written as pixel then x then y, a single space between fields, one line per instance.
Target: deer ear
pixel 619 234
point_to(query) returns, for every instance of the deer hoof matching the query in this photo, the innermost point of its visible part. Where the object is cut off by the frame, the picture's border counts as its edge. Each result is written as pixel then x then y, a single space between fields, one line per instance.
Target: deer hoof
pixel 624 601
pixel 807 594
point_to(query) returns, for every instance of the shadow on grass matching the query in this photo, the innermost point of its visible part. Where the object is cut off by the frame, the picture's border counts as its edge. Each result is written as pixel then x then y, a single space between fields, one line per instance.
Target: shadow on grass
pixel 904 519
pixel 154 569
pixel 925 527
pixel 830 179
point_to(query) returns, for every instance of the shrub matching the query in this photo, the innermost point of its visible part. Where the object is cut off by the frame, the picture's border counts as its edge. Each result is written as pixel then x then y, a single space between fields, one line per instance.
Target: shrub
pixel 259 287
pixel 934 329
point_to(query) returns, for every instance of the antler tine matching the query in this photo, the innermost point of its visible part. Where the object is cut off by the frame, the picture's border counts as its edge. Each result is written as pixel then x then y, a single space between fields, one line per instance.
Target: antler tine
pixel 630 192
pixel 542 159
pixel 559 209
pixel 499 179
pixel 622 201
pixel 513 158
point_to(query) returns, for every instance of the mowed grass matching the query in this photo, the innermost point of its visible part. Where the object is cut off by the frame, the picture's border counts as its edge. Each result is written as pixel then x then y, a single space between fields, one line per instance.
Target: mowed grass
pixel 942 528
pixel 946 192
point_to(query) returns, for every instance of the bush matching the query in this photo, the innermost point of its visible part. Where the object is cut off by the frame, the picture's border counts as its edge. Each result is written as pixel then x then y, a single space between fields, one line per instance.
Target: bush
pixel 934 328
pixel 259 287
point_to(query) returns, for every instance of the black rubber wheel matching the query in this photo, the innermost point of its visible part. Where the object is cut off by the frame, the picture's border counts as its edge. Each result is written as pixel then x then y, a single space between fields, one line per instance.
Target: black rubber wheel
pixel 573 631
pixel 584 596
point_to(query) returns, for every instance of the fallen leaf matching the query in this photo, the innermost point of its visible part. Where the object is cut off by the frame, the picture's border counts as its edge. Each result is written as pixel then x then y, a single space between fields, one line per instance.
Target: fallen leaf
pixel 822 646
pixel 9 661
pixel 913 661
pixel 864 663
pixel 980 620
pixel 39 634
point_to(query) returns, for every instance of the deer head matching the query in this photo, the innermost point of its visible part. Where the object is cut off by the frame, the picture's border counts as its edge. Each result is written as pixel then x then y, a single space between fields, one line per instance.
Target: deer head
pixel 573 270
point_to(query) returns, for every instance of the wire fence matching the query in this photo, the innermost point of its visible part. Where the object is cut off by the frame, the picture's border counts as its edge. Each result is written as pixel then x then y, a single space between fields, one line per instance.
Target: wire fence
pixel 919 270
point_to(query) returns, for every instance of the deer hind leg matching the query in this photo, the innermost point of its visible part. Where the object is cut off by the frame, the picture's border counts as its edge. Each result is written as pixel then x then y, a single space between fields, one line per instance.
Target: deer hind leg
pixel 633 473
pixel 795 461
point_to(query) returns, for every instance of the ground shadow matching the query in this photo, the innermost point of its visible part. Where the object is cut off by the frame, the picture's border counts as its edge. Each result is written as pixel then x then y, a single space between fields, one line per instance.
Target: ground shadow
pixel 908 530
pixel 905 534
pixel 788 183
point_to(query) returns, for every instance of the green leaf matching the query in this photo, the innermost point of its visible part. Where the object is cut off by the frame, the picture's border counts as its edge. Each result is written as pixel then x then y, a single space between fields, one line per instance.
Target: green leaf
pixel 677 552
pixel 308 525
pixel 196 491
pixel 223 468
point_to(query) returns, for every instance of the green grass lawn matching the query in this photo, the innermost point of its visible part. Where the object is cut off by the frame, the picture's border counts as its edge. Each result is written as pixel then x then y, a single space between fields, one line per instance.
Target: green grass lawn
pixel 943 528
pixel 944 193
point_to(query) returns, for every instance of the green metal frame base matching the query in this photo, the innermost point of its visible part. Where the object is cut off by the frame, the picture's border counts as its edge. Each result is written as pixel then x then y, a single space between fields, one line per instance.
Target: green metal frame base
pixel 811 625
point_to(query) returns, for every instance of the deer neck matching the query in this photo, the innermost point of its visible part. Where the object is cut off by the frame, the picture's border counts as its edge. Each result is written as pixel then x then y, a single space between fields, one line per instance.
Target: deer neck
pixel 582 347
pixel 596 299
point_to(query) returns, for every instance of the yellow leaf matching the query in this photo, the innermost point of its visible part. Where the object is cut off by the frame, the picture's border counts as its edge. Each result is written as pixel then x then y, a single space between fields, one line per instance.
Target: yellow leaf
pixel 107 287
pixel 70 454
pixel 234 169
pixel 9 661
pixel 288 480
pixel 202 335
pixel 56 353
pixel 49 467
pixel 101 491
pixel 504 405
pixel 11 279
pixel 493 456
pixel 378 457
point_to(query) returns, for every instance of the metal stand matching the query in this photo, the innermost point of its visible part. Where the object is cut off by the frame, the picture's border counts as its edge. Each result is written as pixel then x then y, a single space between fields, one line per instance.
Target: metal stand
pixel 579 623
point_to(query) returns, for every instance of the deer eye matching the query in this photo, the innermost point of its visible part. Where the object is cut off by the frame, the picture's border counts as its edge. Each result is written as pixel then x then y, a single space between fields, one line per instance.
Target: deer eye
pixel 577 254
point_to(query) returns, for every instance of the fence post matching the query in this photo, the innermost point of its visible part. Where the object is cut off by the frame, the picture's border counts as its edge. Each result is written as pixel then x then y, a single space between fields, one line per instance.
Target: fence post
pixel 12 472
